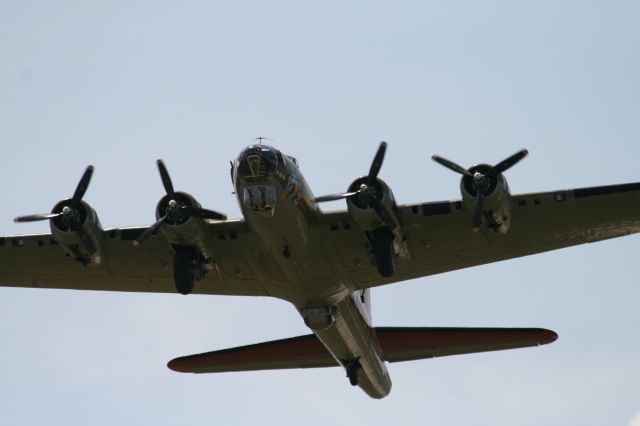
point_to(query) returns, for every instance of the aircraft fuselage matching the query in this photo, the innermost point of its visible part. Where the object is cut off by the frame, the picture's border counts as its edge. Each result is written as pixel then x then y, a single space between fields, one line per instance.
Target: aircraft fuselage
pixel 280 208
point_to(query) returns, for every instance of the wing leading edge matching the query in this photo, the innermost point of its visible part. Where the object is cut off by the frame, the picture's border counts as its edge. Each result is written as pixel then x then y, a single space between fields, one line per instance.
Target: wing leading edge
pixel 398 344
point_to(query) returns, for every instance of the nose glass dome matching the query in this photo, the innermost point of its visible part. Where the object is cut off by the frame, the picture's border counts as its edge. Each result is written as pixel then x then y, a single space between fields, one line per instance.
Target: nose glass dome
pixel 257 160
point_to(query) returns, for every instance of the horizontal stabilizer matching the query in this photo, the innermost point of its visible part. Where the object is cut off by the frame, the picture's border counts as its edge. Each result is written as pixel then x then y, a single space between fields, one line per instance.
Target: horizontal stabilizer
pixel 295 352
pixel 407 343
pixel 398 344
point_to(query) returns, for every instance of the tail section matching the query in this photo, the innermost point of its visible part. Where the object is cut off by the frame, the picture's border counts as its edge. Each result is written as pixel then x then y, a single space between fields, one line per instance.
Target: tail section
pixel 398 344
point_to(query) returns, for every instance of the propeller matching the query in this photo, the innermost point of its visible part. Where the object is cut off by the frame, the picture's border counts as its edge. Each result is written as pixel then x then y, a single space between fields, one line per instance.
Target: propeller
pixel 70 213
pixel 481 181
pixel 367 192
pixel 177 207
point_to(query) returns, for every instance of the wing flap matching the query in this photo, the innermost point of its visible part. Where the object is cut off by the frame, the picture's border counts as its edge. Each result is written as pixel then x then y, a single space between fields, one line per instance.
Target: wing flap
pixel 398 344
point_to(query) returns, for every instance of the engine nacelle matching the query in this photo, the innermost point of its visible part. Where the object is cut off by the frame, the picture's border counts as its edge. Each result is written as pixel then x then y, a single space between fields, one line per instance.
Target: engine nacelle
pixel 498 204
pixel 365 216
pixel 71 241
pixel 183 230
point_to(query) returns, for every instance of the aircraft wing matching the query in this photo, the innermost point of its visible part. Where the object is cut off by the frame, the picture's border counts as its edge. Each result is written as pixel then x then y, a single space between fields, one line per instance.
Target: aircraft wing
pixel 437 239
pixel 438 235
pixel 36 261
pixel 397 343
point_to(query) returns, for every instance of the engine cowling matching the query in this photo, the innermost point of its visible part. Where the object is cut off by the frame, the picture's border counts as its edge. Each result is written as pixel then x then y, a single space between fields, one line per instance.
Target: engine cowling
pixel 70 239
pixel 181 229
pixel 361 211
pixel 498 204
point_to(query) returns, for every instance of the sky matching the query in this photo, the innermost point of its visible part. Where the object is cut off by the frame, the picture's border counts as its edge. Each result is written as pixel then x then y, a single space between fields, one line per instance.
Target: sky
pixel 121 84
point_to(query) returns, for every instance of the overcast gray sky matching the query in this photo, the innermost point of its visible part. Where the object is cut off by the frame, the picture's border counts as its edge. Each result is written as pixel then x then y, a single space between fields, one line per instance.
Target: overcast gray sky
pixel 120 84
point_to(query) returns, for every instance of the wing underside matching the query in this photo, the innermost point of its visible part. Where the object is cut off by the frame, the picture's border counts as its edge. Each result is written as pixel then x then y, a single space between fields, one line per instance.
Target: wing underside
pixel 436 239
pixel 36 261
pixel 437 236
pixel 398 344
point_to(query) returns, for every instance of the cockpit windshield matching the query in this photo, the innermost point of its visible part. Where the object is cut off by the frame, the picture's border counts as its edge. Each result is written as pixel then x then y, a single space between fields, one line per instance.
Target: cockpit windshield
pixel 257 161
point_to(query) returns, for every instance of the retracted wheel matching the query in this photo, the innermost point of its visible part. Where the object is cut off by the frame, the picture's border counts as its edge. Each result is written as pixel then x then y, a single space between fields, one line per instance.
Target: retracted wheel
pixel 187 269
pixel 352 372
pixel 383 251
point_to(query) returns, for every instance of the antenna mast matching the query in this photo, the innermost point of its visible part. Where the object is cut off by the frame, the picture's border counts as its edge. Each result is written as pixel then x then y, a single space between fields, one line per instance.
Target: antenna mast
pixel 262 138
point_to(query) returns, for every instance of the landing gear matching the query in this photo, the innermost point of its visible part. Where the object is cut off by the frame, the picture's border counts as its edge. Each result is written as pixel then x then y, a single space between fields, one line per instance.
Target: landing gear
pixel 352 368
pixel 384 252
pixel 187 268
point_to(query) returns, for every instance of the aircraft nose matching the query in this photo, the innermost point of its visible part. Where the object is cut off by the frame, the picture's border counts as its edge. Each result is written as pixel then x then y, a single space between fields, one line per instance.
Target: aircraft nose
pixel 257 161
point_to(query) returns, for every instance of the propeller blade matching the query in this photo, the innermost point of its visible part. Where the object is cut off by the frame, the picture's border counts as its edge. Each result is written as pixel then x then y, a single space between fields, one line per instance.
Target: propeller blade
pixel 385 215
pixel 334 197
pixel 367 191
pixel 150 230
pixel 166 179
pixel 203 213
pixel 175 207
pixel 36 217
pixel 377 163
pixel 86 240
pixel 507 164
pixel 451 166
pixel 477 210
pixel 82 187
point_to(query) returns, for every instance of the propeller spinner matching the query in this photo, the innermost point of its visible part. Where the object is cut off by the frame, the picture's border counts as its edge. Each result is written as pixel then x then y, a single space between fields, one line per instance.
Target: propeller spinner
pixel 177 207
pixel 69 212
pixel 481 181
pixel 368 193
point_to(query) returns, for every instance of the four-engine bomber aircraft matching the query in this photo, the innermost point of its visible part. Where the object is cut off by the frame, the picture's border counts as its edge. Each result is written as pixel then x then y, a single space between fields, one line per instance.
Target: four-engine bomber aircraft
pixel 323 263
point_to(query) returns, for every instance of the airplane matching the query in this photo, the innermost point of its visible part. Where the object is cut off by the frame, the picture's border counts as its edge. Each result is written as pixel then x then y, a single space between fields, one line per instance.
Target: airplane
pixel 323 263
